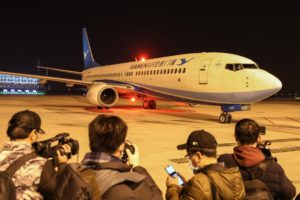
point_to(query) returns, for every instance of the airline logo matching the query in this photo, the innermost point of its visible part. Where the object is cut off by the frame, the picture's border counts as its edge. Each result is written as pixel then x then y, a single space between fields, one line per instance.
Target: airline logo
pixel 178 62
pixel 85 54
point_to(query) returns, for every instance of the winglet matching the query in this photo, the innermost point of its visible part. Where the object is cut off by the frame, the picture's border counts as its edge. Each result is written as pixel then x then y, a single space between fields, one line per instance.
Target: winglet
pixel 88 59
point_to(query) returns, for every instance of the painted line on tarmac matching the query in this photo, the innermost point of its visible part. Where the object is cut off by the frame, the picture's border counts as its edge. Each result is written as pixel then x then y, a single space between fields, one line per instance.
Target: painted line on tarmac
pixel 272 141
pixel 279 150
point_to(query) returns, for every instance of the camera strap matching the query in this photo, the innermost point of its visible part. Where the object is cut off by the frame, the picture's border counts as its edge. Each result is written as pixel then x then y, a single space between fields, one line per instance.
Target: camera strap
pixel 11 170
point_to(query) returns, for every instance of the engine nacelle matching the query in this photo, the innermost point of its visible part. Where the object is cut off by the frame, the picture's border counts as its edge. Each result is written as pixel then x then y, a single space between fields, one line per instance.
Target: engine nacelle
pixel 102 95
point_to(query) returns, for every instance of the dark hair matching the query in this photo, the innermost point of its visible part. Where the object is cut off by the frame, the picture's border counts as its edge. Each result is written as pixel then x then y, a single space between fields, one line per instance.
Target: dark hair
pixel 246 131
pixel 107 133
pixel 22 123
pixel 207 152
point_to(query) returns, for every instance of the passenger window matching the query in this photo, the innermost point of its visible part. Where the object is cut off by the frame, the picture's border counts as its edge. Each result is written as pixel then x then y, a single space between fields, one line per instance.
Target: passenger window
pixel 175 71
pixel 179 70
pixel 183 71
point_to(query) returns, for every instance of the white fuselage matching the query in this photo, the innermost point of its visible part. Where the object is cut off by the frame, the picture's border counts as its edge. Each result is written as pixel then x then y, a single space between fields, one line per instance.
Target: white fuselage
pixel 218 78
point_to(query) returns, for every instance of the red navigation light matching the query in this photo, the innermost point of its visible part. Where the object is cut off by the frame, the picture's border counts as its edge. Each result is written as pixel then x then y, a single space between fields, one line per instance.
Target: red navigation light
pixel 142 57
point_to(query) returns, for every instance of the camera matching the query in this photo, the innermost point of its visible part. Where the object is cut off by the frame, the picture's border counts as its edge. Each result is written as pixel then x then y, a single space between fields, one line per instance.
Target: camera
pixel 128 145
pixel 262 130
pixel 48 148
pixel 264 147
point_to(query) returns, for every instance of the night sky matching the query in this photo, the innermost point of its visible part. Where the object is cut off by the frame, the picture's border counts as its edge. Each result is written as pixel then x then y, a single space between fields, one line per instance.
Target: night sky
pixel 268 33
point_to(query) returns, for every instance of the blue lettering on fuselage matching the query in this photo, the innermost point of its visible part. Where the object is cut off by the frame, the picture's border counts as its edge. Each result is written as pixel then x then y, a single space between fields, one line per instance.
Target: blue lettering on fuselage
pixel 160 63
pixel 184 60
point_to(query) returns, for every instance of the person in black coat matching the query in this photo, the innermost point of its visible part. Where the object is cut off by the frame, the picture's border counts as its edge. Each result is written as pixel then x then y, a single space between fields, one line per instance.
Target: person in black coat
pixel 112 167
pixel 248 157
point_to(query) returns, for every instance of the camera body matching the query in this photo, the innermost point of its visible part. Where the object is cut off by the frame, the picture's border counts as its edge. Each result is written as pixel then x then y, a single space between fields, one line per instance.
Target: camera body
pixel 128 145
pixel 47 148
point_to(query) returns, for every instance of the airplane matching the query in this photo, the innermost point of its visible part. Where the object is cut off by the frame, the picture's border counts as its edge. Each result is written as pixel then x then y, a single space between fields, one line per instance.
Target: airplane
pixel 234 82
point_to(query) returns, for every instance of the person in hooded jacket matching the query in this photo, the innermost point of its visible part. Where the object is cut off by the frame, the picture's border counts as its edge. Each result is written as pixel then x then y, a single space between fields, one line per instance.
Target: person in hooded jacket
pixel 248 157
pixel 211 180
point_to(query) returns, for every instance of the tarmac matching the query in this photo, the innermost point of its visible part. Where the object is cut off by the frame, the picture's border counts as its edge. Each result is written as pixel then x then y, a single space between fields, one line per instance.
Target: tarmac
pixel 158 132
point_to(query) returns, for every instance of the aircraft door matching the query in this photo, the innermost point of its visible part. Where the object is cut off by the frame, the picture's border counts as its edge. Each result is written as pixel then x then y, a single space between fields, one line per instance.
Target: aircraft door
pixel 203 71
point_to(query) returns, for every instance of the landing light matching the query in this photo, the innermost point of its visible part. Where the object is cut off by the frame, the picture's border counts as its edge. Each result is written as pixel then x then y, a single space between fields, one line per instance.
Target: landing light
pixel 132 99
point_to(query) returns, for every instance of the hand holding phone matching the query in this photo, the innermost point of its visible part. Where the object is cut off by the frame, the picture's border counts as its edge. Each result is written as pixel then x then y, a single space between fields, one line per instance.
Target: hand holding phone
pixel 170 170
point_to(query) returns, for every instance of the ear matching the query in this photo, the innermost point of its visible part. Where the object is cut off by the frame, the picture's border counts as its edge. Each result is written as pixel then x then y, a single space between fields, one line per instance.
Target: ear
pixel 32 136
pixel 198 155
pixel 121 147
pixel 119 151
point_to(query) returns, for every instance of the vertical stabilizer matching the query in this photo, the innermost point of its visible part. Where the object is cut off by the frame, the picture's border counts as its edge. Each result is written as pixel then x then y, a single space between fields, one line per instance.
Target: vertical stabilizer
pixel 88 59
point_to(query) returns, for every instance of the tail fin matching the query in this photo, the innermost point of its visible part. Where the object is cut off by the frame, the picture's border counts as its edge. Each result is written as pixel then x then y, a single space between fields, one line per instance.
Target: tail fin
pixel 88 59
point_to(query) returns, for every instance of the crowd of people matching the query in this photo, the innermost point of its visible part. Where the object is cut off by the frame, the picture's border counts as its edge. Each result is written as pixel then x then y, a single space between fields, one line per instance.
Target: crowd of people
pixel 111 169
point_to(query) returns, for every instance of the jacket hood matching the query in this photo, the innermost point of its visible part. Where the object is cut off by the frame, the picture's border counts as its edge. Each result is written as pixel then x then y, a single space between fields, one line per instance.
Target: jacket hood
pixel 247 156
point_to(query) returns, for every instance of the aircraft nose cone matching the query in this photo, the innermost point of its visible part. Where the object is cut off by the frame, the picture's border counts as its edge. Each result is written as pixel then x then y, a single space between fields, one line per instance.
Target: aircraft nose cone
pixel 276 84
pixel 266 85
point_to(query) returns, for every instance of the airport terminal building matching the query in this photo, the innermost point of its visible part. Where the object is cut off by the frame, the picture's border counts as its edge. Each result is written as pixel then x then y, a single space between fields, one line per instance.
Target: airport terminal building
pixel 10 84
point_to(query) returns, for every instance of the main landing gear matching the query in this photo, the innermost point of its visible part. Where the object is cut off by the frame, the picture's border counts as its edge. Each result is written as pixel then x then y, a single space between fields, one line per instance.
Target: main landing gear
pixel 149 104
pixel 225 117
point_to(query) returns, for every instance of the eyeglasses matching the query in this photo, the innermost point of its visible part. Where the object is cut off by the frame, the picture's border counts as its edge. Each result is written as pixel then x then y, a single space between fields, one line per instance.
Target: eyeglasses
pixel 37 130
pixel 40 131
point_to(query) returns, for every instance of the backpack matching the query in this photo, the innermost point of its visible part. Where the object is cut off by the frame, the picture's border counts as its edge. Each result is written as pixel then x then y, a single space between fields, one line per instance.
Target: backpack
pixel 7 186
pixel 255 188
pixel 63 184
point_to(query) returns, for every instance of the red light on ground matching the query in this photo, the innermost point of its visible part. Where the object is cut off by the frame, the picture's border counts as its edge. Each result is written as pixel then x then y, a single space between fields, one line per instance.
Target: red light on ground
pixel 132 99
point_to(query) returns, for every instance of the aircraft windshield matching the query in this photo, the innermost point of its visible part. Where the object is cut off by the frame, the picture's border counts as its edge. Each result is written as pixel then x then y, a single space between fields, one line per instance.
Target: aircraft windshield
pixel 239 66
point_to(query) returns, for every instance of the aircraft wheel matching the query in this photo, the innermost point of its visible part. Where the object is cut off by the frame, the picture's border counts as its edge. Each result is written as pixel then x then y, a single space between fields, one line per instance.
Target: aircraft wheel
pixel 100 107
pixel 152 104
pixel 229 118
pixel 146 104
pixel 223 118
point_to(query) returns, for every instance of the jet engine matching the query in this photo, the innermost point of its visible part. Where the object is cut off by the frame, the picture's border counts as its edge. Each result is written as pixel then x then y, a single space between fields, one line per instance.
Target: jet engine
pixel 102 95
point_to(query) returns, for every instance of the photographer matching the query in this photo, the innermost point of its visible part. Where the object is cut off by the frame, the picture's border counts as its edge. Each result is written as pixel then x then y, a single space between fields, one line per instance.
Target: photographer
pixel 24 128
pixel 250 159
pixel 108 175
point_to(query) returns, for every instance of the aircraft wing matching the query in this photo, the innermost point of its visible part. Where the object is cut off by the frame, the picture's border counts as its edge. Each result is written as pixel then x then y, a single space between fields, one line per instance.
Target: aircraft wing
pixel 60 70
pixel 121 88
pixel 49 78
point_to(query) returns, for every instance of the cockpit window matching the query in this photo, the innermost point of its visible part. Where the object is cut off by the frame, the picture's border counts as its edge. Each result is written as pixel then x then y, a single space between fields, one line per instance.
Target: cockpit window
pixel 229 67
pixel 234 67
pixel 239 66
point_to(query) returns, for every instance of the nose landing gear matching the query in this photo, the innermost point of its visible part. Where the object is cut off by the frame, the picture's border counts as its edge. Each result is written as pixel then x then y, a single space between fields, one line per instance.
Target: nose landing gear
pixel 225 117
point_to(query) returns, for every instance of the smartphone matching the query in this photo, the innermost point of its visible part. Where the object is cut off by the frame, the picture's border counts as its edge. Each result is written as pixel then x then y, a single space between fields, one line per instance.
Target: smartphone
pixel 170 170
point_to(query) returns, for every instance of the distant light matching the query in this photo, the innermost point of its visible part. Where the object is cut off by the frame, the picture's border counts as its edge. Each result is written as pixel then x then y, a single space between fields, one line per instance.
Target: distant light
pixel 132 99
